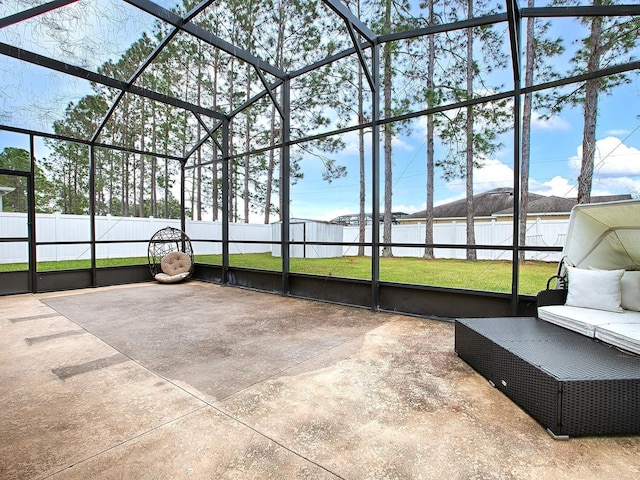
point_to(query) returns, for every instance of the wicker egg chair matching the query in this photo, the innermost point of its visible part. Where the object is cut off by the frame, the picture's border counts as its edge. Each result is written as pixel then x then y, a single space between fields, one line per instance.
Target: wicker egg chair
pixel 170 255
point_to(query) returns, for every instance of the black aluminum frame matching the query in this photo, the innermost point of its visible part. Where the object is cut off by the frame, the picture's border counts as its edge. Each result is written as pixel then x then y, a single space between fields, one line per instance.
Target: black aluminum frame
pixel 290 283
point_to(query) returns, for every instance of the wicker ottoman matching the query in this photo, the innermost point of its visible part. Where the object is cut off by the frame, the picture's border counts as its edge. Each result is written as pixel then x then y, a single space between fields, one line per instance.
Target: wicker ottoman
pixel 572 385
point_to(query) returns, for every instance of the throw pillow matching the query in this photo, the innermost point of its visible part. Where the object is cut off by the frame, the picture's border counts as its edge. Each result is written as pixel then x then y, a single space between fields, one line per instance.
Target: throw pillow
pixel 598 289
pixel 630 284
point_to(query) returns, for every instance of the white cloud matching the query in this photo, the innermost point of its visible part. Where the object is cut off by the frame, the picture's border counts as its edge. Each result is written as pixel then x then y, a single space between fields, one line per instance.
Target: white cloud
pixel 409 208
pixel 492 174
pixel 612 158
pixel 552 123
pixel 615 185
pixel 320 213
pixel 616 171
pixel 617 133
pixel 399 143
pixel 558 186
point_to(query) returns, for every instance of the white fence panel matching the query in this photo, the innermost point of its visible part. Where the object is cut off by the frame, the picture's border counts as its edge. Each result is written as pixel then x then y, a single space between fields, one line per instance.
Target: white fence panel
pixel 540 232
pixel 309 231
pixel 135 232
pixel 249 231
pixel 132 231
pixel 13 225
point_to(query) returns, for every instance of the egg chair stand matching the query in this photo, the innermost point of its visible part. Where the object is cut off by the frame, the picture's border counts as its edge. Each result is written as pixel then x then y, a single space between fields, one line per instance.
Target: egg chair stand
pixel 170 255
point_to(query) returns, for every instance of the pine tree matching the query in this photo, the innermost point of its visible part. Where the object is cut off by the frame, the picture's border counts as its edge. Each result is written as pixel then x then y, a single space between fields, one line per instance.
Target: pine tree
pixel 18 159
pixel 539 51
pixel 611 40
pixel 472 133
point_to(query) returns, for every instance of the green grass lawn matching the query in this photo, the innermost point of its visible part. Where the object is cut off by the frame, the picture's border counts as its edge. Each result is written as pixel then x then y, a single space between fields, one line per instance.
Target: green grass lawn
pixel 484 275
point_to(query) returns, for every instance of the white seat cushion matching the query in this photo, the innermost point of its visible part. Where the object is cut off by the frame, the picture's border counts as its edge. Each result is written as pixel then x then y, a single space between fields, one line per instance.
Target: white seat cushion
pixel 164 278
pixel 585 320
pixel 625 336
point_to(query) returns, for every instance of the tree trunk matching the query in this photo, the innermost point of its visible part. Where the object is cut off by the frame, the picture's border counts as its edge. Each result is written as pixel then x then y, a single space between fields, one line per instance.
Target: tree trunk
pixel 154 165
pixel 197 213
pixel 471 237
pixel 526 133
pixel 590 112
pixel 185 126
pixel 125 187
pixel 431 58
pixel 232 190
pixel 276 131
pixel 388 180
pixel 270 167
pixel 134 185
pixel 124 168
pixel 112 166
pixel 142 145
pixel 247 148
pixel 165 148
pixel 362 222
pixel 214 166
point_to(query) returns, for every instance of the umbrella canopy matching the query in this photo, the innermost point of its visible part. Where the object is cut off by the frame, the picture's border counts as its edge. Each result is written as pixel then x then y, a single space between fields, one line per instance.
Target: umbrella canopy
pixel 604 235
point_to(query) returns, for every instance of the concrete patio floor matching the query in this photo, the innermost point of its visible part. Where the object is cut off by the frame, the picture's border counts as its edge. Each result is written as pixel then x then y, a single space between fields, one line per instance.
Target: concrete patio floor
pixel 207 382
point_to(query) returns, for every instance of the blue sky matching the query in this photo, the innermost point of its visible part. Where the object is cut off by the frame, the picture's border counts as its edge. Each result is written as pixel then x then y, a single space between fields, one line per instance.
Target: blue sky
pixel 554 168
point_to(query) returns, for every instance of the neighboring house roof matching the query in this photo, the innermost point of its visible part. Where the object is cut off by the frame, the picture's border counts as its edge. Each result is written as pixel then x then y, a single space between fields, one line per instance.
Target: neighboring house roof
pixel 553 204
pixel 499 201
pixel 354 218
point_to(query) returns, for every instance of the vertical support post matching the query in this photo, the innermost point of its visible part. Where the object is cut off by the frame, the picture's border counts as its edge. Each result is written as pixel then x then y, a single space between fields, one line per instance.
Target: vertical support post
pixel 285 191
pixel 183 217
pixel 514 17
pixel 375 177
pixel 31 220
pixel 515 259
pixel 225 201
pixel 92 212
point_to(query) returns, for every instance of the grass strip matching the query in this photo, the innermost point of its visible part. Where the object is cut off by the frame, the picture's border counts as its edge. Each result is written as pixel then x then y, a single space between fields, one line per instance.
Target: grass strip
pixel 483 275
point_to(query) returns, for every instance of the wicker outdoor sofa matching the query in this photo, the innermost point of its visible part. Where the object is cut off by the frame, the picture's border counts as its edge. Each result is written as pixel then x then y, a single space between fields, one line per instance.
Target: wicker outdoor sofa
pixel 575 368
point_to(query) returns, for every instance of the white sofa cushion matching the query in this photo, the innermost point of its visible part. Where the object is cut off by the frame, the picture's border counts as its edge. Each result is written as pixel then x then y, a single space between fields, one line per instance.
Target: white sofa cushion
pixel 625 336
pixel 630 288
pixel 597 289
pixel 585 320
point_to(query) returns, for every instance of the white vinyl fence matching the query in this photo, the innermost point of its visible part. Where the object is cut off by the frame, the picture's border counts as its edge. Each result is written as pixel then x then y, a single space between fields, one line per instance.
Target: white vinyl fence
pixel 540 233
pixel 135 233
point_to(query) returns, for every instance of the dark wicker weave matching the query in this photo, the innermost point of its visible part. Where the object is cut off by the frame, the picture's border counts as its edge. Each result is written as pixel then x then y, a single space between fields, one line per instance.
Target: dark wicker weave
pixel 571 384
pixel 165 241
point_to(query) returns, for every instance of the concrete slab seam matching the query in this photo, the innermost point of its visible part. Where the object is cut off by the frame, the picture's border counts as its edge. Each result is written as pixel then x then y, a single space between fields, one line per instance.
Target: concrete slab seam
pixel 124 442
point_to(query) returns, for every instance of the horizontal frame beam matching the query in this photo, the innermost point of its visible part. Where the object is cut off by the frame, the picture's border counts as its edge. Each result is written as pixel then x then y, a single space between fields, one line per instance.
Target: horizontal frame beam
pixel 58 66
pixel 34 12
pixel 591 11
pixel 53 136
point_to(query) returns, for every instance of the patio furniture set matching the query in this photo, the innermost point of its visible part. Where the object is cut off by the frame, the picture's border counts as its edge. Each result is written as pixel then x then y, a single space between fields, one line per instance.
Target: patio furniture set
pixel 576 367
